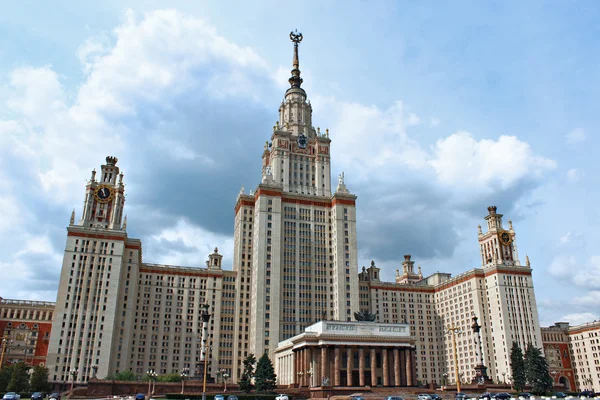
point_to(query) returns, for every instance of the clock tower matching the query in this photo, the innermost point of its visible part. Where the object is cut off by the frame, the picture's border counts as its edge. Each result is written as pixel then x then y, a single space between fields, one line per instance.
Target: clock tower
pixel 497 246
pixel 104 198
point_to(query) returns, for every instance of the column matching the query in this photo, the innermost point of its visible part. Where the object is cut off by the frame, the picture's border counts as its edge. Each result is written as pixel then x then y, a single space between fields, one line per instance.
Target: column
pixel 324 365
pixel 409 380
pixel 307 364
pixel 373 367
pixel 349 366
pixel 403 368
pixel 361 367
pixel 336 362
pixel 386 370
pixel 396 367
pixel 295 369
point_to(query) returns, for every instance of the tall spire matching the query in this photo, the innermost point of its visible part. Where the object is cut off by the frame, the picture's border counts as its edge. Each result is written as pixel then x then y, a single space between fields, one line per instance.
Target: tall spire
pixel 295 80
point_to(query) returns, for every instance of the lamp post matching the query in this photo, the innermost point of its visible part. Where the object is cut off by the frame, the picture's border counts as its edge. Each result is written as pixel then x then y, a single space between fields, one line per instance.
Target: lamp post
pixel 74 373
pixel 455 330
pixel 504 377
pixel 225 377
pixel 151 379
pixel 205 320
pixel 4 344
pixel 94 368
pixel 445 376
pixel 553 373
pixel 184 373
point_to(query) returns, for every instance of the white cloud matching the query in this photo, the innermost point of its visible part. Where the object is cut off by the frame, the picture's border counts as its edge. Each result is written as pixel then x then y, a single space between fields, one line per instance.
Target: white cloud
pixel 588 275
pixel 578 318
pixel 575 136
pixel 433 121
pixel 462 161
pixel 198 243
pixel 562 266
pixel 592 298
pixel 413 119
pixel 573 175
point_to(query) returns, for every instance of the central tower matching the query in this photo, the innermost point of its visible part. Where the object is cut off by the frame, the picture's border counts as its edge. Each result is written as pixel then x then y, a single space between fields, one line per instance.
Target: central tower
pixel 294 241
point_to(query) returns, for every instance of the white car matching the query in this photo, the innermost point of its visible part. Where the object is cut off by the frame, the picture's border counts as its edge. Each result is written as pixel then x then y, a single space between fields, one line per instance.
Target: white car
pixel 282 397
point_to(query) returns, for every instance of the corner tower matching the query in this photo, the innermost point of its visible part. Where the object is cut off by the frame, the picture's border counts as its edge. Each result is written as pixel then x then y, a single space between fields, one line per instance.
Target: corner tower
pixel 91 324
pixel 497 246
pixel 294 241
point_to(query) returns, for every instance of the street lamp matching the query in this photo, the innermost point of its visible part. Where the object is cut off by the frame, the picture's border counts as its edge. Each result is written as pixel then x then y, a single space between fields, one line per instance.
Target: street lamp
pixel 151 378
pixel 4 344
pixel 205 319
pixel 184 373
pixel 445 376
pixel 553 373
pixel 504 377
pixel 225 377
pixel 94 368
pixel 455 330
pixel 74 373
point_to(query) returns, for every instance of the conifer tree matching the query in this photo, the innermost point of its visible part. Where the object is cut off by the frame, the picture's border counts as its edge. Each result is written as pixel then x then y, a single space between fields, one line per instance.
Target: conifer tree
pixel 517 365
pixel 245 382
pixel 39 379
pixel 536 371
pixel 265 377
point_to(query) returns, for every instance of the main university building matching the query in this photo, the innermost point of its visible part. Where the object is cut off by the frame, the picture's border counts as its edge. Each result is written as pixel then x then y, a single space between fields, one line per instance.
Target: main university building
pixel 293 286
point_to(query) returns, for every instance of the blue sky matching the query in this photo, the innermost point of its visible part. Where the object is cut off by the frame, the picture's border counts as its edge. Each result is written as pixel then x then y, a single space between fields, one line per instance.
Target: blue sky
pixel 435 109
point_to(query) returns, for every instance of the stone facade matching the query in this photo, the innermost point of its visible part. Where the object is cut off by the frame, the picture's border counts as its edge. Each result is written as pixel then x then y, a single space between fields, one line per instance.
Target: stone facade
pixel 573 355
pixel 295 262
pixel 24 331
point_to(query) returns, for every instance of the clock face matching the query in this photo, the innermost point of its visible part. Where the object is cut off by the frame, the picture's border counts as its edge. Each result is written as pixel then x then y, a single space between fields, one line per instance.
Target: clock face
pixel 302 141
pixel 104 194
pixel 505 238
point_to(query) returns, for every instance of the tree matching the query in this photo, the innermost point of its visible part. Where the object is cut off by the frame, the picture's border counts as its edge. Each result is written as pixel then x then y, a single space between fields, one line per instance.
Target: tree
pixel 174 377
pixel 5 374
pixel 265 377
pixel 245 382
pixel 39 379
pixel 517 365
pixel 536 371
pixel 19 378
pixel 125 376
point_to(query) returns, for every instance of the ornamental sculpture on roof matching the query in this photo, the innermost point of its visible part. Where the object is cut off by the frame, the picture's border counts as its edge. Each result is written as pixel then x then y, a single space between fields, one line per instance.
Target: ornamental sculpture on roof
pixel 364 316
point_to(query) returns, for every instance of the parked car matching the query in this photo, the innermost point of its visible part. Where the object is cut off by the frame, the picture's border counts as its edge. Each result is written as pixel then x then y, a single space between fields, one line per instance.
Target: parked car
pixel 502 396
pixel 11 396
pixel 435 396
pixel 559 395
pixel 357 398
pixel 282 397
pixel 486 395
pixel 424 396
pixel 55 395
pixel 140 396
pixel 37 396
pixel 460 396
pixel 394 398
pixel 587 393
pixel 525 395
pixel 232 397
pixel 219 397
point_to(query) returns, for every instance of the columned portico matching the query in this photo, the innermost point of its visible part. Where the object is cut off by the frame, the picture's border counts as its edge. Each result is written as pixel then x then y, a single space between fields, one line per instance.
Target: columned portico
pixel 349 354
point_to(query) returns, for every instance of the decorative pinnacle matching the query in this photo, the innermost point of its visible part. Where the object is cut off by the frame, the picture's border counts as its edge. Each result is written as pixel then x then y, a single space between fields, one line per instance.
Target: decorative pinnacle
pixel 295 80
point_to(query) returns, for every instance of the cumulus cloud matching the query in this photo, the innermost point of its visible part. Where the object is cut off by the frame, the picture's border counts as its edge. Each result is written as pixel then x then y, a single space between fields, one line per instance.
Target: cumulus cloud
pixel 562 266
pixel 184 110
pixel 575 136
pixel 581 274
pixel 462 161
pixel 579 318
pixel 591 299
pixel 573 174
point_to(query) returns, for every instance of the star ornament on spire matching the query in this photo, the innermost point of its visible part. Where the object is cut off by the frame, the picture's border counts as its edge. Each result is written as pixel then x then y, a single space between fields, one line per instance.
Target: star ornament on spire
pixel 296 37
